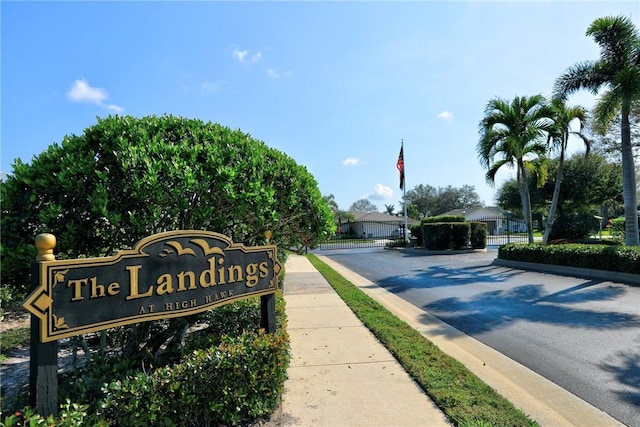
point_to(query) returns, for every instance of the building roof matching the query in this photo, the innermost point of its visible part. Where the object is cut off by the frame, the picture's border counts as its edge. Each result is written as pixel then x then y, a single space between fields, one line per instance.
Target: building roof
pixel 381 217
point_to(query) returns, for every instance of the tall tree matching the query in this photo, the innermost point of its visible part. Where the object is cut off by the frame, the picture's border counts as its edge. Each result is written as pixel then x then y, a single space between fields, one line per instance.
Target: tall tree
pixel 512 134
pixel 469 199
pixel 420 200
pixel 338 214
pixel 618 71
pixel 589 182
pixel 363 205
pixel 390 209
pixel 331 202
pixel 564 117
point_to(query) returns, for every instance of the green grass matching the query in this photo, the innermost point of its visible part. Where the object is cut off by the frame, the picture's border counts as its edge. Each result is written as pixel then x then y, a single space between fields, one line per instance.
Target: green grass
pixel 463 397
pixel 12 340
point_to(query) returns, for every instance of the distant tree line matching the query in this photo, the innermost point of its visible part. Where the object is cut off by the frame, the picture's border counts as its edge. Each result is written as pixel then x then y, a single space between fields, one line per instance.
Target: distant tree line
pixel 422 201
pixel 425 200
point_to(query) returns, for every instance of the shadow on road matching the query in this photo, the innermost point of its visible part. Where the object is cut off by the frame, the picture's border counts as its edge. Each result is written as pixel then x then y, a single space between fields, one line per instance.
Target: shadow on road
pixel 491 310
pixel 626 368
pixel 475 313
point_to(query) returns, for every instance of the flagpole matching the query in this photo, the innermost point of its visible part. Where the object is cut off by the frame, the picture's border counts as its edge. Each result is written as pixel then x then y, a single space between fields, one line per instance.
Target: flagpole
pixel 404 194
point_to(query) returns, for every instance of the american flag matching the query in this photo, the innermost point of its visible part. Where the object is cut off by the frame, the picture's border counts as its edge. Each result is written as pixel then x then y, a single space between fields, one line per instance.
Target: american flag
pixel 400 166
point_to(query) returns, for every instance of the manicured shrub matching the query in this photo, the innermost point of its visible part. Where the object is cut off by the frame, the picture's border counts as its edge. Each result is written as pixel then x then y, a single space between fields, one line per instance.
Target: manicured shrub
pixel 459 235
pixel 230 372
pixel 437 236
pixel 416 231
pixel 443 218
pixel 448 235
pixel 624 259
pixel 478 236
pixel 574 226
pixel 239 380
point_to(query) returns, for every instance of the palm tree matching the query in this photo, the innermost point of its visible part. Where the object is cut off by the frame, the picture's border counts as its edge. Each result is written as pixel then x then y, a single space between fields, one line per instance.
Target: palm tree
pixel 618 71
pixel 331 202
pixel 389 209
pixel 513 134
pixel 563 118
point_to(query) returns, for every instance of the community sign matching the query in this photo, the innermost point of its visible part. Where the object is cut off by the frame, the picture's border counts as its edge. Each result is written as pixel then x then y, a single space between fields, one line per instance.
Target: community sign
pixel 165 275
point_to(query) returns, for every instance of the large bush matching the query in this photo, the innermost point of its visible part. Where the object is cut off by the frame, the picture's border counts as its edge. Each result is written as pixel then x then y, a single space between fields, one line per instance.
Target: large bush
pixel 126 178
pixel 578 225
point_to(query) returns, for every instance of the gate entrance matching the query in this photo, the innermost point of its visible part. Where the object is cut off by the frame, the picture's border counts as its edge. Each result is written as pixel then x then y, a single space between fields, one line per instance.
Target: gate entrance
pixel 365 234
pixel 504 229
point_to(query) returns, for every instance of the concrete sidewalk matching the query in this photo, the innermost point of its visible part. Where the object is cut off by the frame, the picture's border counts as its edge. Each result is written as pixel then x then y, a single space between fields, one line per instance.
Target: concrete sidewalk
pixel 539 398
pixel 340 374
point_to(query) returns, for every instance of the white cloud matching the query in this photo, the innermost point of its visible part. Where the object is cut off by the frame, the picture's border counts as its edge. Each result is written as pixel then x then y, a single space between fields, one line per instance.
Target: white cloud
pixel 350 161
pixel 381 192
pixel 81 91
pixel 245 56
pixel 256 57
pixel 275 74
pixel 115 108
pixel 239 54
pixel 445 115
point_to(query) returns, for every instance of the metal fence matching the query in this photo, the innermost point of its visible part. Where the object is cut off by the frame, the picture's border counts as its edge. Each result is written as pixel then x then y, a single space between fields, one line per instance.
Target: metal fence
pixel 504 229
pixel 364 234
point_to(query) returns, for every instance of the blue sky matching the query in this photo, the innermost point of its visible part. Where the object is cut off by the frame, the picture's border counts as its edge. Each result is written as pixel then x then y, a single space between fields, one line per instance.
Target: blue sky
pixel 335 85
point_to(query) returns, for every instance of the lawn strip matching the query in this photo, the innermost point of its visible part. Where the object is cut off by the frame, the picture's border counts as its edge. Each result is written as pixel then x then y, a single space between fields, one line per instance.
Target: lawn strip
pixel 462 396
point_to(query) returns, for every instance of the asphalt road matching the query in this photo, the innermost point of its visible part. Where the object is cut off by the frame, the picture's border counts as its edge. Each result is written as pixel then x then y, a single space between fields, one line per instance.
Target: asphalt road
pixel 582 334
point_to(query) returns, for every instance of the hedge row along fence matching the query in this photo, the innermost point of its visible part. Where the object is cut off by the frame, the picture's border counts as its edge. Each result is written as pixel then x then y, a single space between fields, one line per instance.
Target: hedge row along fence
pixel 623 259
pixel 450 232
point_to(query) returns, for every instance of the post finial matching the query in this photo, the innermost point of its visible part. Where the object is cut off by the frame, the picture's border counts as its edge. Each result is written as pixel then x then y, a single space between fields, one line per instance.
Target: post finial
pixel 45 243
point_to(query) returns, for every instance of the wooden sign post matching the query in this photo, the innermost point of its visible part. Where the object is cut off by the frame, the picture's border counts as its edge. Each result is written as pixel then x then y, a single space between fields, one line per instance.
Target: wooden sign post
pixel 43 362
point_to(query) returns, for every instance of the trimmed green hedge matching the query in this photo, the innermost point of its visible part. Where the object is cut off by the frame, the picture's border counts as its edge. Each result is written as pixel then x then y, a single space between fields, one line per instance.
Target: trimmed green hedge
pixel 233 373
pixel 416 231
pixel 625 259
pixel 443 218
pixel 239 380
pixel 445 232
pixel 478 237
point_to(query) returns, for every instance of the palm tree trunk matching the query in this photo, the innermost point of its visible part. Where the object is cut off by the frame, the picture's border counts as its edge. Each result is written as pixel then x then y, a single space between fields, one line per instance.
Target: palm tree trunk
pixel 554 200
pixel 526 199
pixel 629 182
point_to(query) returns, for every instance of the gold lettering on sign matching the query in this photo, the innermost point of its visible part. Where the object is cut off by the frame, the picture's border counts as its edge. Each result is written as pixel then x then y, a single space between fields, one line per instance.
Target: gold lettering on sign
pixel 165 284
pixel 181 280
pixel 133 283
pixel 208 277
pixel 77 288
